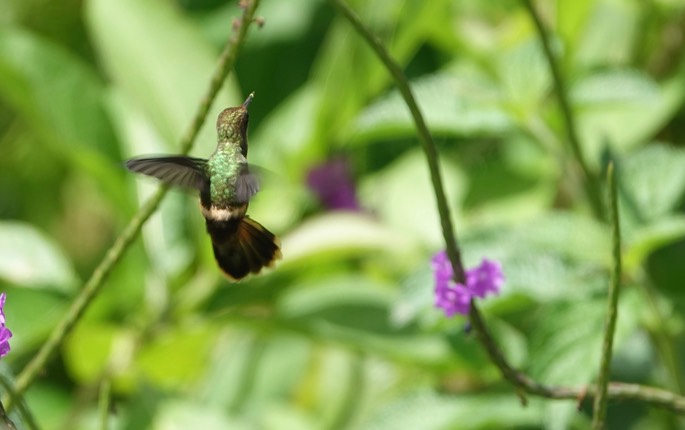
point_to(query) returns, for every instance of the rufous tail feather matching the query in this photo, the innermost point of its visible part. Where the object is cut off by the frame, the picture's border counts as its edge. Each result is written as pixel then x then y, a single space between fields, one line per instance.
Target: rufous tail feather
pixel 243 246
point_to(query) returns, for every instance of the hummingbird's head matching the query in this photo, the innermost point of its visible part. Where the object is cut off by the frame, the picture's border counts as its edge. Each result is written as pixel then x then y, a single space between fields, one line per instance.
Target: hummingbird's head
pixel 232 122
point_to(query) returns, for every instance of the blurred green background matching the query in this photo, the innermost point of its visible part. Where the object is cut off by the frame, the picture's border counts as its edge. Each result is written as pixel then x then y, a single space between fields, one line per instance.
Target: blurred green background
pixel 342 334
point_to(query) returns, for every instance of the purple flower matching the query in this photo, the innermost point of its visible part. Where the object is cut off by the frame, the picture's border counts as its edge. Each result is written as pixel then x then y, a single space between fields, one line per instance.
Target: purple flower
pixel 486 278
pixel 333 185
pixel 455 298
pixel 5 333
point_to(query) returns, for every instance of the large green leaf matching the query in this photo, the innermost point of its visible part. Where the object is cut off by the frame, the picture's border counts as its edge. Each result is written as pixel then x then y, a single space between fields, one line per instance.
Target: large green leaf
pixel 549 257
pixel 565 337
pixel 571 18
pixel 159 60
pixel 402 197
pixel 90 350
pixel 351 302
pixel 427 410
pixel 565 344
pixel 41 79
pixel 458 102
pixel 253 369
pixel 652 181
pixel 189 345
pixel 607 35
pixel 339 234
pixel 182 414
pixel 29 259
pixel 341 93
pixel 621 107
pixel 355 312
pixel 31 315
pixel 62 100
pixel 643 240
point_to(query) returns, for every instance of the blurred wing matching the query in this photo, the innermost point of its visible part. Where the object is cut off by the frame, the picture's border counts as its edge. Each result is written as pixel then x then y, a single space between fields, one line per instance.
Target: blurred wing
pixel 182 171
pixel 247 184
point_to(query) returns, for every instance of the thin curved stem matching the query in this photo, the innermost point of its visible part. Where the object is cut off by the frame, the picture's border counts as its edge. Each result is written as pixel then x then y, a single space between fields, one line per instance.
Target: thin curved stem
pixel 612 312
pixel 94 284
pixel 104 402
pixel 591 181
pixel 425 136
pixel 24 411
pixel 615 390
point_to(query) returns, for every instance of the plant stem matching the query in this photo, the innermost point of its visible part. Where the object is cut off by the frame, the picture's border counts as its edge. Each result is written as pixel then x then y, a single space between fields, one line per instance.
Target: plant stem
pixel 425 137
pixel 591 181
pixel 616 390
pixel 24 411
pixel 104 401
pixel 94 284
pixel 612 312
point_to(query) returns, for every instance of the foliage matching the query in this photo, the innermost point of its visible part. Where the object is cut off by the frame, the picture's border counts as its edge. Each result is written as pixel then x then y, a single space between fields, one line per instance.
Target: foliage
pixel 343 332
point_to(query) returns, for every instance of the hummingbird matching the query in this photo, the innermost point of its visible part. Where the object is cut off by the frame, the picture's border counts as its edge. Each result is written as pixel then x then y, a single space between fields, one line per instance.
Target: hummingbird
pixel 225 183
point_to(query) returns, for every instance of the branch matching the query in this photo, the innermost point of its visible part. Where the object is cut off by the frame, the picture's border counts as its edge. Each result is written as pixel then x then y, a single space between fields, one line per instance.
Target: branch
pixel 612 312
pixel 591 181
pixel 424 135
pixel 94 284
pixel 616 390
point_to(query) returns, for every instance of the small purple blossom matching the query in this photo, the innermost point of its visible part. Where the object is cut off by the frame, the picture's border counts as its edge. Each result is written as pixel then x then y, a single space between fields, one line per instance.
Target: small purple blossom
pixel 486 278
pixel 333 185
pixel 455 298
pixel 5 333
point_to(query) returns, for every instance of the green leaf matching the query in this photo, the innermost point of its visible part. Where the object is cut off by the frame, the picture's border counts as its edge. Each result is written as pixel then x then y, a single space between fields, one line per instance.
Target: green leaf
pixel 46 99
pixel 429 411
pixel 134 39
pixel 458 102
pixel 652 181
pixel 523 78
pixel 402 196
pixel 552 256
pixel 76 128
pixel 50 404
pixel 571 17
pixel 403 27
pixel 21 309
pixel 89 350
pixel 643 240
pixel 566 336
pixel 347 301
pixel 337 234
pixel 621 108
pixel 251 371
pixel 183 414
pixel 29 259
pixel 190 348
pixel 355 312
pixel 608 36
pixel 666 271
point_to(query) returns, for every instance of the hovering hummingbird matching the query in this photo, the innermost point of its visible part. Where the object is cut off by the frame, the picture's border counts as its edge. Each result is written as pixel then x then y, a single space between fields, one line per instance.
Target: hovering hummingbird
pixel 241 245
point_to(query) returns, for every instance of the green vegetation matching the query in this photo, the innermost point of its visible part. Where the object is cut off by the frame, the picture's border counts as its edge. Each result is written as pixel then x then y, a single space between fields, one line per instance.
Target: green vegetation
pixel 343 332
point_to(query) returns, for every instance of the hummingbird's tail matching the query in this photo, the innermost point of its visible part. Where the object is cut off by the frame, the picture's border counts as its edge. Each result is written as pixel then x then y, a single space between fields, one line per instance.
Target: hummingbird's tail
pixel 242 246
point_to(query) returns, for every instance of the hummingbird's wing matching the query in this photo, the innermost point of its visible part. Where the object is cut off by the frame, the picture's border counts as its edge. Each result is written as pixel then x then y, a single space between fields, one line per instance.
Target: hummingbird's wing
pixel 247 184
pixel 175 170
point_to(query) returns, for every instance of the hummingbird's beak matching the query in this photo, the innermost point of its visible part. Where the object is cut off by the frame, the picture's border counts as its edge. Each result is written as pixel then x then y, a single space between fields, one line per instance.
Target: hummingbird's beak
pixel 247 101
